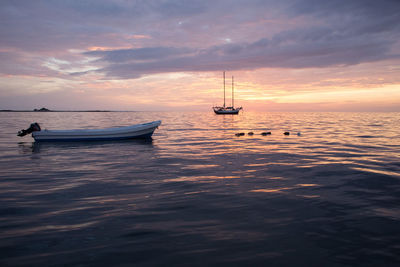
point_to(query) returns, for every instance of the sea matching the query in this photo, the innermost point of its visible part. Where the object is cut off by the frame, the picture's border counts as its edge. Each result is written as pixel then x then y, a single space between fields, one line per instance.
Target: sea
pixel 196 194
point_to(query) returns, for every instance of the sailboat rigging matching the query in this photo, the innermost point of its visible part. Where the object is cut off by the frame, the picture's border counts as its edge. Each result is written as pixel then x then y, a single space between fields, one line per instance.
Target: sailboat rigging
pixel 224 109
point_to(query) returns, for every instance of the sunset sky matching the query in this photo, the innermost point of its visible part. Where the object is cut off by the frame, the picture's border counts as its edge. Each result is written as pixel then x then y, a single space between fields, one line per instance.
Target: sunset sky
pixel 297 55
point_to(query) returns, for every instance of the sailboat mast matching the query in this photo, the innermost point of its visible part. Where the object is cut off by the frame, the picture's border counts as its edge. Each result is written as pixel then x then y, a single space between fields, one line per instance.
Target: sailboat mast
pixel 232 92
pixel 224 88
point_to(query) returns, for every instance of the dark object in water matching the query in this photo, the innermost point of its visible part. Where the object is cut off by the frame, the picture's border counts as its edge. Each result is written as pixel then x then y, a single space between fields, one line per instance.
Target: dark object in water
pixel 286 133
pixel 250 133
pixel 239 134
pixel 298 134
pixel 265 133
pixel 33 128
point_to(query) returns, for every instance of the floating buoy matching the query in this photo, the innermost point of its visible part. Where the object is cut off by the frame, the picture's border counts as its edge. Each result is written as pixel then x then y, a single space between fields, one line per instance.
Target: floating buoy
pixel 239 134
pixel 265 133
pixel 286 133
pixel 298 134
pixel 250 133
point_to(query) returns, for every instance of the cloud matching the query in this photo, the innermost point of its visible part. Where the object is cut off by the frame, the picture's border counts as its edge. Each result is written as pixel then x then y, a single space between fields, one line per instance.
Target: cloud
pixel 355 8
pixel 53 25
pixel 300 48
pixel 139 54
pixel 178 35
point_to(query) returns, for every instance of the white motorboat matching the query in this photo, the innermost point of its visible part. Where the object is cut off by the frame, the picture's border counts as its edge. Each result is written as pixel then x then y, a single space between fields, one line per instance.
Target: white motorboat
pixel 144 130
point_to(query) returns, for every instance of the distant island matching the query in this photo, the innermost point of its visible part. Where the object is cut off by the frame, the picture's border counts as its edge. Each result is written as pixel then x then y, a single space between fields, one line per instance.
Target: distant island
pixel 48 110
pixel 42 109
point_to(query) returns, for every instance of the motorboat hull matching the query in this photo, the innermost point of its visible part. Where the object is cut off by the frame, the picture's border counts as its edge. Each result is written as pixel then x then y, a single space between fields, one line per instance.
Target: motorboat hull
pixel 143 131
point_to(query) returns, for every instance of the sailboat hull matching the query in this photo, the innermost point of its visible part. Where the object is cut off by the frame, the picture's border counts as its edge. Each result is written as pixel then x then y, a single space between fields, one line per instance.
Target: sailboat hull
pixel 222 111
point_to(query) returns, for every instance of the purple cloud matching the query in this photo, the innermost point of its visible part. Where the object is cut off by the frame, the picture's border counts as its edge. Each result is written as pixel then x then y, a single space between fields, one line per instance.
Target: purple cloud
pixel 300 48
pixel 200 35
pixel 139 54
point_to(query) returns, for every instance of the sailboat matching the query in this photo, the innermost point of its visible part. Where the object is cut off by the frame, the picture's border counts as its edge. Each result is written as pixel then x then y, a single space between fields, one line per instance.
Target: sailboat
pixel 227 110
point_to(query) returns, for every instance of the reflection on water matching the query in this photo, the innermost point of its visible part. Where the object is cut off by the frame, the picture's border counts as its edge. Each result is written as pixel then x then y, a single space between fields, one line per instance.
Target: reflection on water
pixel 37 147
pixel 198 194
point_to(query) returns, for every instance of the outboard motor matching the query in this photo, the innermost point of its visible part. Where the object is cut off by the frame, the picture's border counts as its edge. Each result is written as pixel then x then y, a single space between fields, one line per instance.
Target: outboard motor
pixel 33 128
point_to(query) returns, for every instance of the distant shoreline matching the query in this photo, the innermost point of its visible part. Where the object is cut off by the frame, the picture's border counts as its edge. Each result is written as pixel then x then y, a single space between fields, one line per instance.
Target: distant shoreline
pixel 10 110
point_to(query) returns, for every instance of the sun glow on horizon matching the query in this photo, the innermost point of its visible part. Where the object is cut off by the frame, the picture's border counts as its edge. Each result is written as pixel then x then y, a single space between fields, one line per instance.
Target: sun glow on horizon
pixel 183 90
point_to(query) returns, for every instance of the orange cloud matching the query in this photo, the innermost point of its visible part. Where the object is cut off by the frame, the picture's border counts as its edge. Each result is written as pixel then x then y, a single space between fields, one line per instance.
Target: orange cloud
pixel 139 36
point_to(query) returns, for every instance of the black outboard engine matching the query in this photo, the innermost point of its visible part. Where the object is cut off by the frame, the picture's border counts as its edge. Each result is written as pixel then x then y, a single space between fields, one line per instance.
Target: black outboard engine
pixel 33 128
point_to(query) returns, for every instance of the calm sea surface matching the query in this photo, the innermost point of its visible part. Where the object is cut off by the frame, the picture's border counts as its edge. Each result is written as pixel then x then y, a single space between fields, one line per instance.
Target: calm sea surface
pixel 197 195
